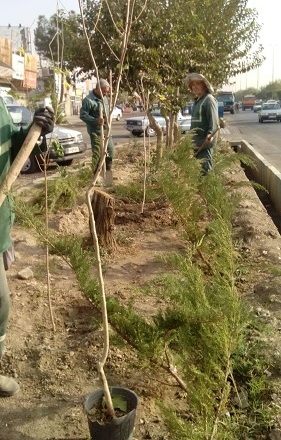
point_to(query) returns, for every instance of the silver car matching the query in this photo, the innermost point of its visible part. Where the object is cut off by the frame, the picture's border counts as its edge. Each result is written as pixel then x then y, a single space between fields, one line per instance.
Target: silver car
pixel 140 124
pixel 270 111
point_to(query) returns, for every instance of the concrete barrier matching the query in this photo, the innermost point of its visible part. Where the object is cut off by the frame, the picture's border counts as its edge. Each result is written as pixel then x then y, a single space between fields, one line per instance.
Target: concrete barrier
pixel 265 174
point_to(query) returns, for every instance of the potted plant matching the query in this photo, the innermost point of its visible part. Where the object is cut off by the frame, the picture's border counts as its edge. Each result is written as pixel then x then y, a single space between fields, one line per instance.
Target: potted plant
pixel 110 412
pixel 102 424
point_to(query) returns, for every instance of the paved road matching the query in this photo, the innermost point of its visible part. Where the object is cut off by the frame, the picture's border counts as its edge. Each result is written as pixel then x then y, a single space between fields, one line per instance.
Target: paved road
pixel 265 137
pixel 119 133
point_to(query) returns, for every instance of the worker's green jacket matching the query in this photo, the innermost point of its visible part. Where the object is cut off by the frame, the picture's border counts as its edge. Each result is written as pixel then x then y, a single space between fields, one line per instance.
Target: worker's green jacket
pixel 11 140
pixel 91 109
pixel 205 119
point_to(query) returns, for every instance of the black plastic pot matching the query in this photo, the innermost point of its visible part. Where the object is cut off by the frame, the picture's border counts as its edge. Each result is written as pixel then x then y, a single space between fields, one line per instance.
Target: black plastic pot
pixel 120 428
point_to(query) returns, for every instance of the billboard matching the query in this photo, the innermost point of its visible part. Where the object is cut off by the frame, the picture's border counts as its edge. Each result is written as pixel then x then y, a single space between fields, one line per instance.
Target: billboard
pixel 30 80
pixel 18 67
pixel 6 51
pixel 30 62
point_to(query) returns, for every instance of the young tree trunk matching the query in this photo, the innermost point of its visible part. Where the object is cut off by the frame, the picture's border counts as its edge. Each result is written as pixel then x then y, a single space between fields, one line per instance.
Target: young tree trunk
pixel 103 208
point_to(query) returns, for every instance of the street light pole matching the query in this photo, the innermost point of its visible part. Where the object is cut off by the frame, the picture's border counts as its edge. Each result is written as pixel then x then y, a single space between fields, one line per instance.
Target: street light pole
pixel 273 46
pixel 273 67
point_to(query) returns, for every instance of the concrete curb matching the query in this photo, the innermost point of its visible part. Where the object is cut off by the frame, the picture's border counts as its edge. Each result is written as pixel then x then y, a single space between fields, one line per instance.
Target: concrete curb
pixel 265 174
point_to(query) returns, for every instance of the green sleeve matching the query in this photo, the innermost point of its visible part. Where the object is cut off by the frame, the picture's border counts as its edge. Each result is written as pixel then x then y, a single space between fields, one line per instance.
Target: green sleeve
pixel 212 115
pixel 89 112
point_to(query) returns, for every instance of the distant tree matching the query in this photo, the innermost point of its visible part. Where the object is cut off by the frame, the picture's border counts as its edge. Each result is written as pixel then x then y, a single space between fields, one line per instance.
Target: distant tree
pixel 271 90
pixel 61 37
pixel 169 39
pixel 176 36
pixel 249 91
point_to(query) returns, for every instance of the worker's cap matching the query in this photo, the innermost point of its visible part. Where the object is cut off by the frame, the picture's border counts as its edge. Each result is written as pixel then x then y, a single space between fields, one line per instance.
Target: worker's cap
pixel 198 77
pixel 102 84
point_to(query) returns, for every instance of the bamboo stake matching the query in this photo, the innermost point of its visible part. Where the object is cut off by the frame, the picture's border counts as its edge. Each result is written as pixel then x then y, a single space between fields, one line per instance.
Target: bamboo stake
pixel 102 361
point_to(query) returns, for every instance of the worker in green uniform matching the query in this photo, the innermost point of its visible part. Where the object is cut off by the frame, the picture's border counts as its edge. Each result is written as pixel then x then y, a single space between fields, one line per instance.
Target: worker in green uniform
pixel 204 119
pixel 92 113
pixel 11 140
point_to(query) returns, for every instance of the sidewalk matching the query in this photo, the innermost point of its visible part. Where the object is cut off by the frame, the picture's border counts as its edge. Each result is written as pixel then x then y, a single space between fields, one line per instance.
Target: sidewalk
pixel 73 120
pixel 231 134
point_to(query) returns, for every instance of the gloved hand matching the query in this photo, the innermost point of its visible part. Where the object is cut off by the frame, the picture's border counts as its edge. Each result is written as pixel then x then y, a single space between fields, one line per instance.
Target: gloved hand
pixel 45 118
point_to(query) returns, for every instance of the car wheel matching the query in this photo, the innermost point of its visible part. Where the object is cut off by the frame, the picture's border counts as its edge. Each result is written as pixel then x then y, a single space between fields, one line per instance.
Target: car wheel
pixel 150 132
pixel 136 133
pixel 118 118
pixel 65 163
pixel 261 120
pixel 232 112
pixel 31 165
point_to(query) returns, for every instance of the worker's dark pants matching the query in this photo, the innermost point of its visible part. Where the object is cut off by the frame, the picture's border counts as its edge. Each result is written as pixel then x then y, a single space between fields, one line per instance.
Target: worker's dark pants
pixel 4 304
pixel 206 157
pixel 96 145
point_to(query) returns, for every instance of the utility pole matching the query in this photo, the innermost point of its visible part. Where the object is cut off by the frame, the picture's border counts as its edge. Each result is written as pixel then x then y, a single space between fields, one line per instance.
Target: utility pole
pixel 273 68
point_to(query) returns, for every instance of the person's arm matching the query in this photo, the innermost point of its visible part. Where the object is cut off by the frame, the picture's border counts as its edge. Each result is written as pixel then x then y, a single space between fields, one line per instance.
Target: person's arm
pixel 212 117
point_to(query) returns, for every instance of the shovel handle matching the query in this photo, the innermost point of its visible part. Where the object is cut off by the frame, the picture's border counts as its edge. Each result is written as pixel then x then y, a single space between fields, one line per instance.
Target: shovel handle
pixel 206 142
pixel 22 156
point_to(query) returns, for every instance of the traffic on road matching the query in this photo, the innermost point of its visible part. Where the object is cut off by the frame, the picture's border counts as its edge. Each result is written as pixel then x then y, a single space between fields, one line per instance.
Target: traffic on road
pixel 265 138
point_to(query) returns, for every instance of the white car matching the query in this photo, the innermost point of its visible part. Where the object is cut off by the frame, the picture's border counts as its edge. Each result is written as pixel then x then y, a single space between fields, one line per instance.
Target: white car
pixel 270 111
pixel 257 105
pixel 64 144
pixel 140 124
pixel 116 113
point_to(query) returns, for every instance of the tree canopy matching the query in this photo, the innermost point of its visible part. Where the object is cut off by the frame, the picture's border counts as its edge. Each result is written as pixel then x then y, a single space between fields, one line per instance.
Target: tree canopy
pixel 61 38
pixel 168 39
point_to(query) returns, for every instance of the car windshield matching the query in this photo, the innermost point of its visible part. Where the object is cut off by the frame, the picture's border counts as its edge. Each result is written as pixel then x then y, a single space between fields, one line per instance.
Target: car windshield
pixel 270 106
pixel 156 112
pixel 20 114
pixel 225 98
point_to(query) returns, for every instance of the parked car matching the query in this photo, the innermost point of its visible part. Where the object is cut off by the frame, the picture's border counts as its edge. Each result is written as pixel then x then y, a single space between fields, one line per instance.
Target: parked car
pixel 117 113
pixel 270 111
pixel 139 124
pixel 70 140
